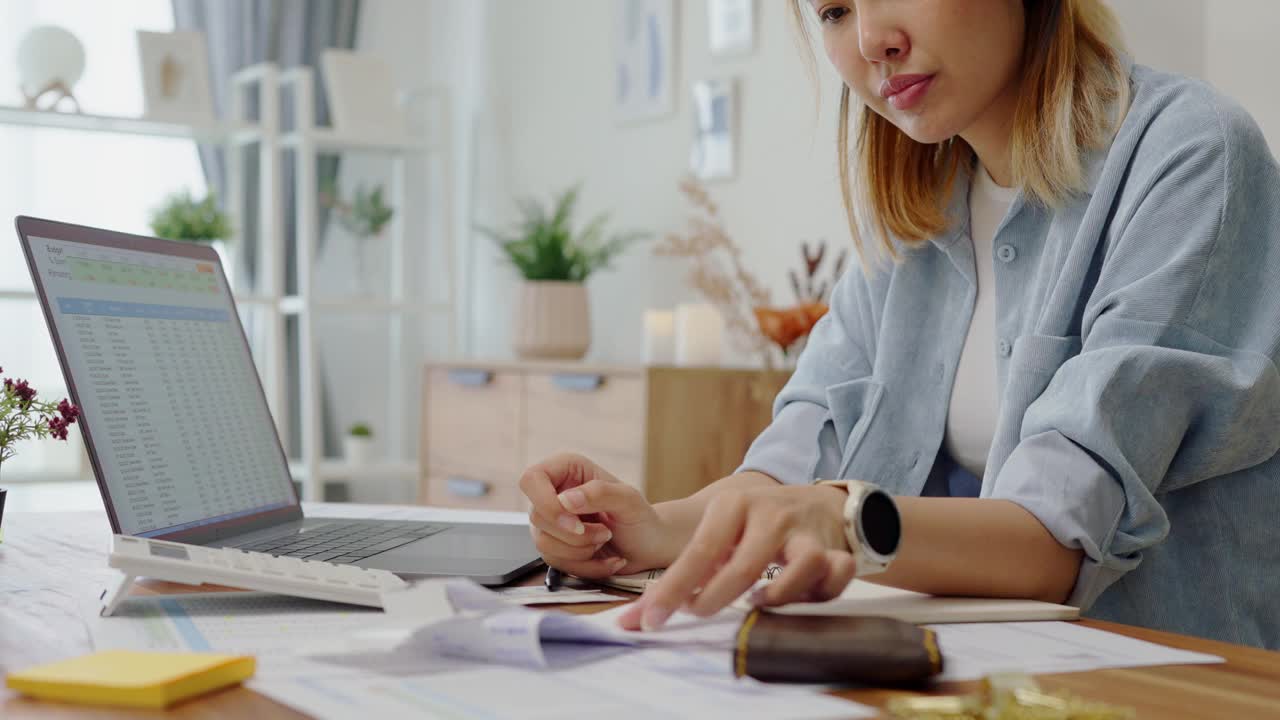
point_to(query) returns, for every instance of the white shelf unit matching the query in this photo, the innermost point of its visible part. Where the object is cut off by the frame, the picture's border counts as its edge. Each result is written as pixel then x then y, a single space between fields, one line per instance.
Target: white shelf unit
pixel 221 134
pixel 265 82
pixel 307 142
pixel 212 133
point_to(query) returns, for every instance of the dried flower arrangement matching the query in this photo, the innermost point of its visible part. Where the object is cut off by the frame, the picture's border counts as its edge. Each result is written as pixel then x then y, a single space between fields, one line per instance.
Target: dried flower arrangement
pixel 806 290
pixel 718 273
pixel 786 327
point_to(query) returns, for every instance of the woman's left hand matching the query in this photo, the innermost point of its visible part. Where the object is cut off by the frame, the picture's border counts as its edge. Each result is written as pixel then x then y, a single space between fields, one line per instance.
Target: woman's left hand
pixel 740 534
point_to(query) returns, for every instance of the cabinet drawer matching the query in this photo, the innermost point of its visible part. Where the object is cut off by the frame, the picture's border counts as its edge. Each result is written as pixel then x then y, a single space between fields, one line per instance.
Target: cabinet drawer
pixel 472 421
pixel 456 490
pixel 600 416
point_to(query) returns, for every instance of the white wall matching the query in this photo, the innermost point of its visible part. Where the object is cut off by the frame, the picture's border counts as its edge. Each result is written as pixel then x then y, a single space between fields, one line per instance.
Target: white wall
pixel 1243 53
pixel 1165 34
pixel 555 70
pixel 1231 44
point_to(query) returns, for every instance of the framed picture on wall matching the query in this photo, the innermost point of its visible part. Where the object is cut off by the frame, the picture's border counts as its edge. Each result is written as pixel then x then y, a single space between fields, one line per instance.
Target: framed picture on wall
pixel 731 26
pixel 644 63
pixel 175 77
pixel 714 127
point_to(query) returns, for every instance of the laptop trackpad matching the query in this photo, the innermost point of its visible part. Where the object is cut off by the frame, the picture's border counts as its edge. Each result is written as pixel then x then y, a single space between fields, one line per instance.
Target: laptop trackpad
pixel 459 552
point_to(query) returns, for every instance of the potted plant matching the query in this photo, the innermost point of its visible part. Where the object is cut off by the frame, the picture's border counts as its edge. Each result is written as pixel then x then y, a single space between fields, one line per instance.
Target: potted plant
pixel 357 446
pixel 183 217
pixel 553 319
pixel 364 216
pixel 23 417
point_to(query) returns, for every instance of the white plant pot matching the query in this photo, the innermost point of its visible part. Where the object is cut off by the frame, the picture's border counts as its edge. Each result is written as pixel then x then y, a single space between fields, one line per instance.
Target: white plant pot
pixel 357 450
pixel 552 321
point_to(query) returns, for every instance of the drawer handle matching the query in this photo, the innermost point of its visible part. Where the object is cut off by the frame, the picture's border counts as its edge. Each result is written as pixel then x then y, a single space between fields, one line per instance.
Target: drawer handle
pixel 577 382
pixel 470 378
pixel 466 487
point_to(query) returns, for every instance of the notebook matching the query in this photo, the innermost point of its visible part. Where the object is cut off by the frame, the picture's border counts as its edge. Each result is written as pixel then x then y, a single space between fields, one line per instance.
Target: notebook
pixel 128 678
pixel 865 598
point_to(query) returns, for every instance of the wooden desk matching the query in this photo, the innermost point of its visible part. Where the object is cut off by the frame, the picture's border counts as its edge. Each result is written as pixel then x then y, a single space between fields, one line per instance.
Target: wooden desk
pixel 1246 686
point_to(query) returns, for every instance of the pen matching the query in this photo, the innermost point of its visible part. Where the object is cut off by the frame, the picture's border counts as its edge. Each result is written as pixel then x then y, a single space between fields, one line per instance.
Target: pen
pixel 554 578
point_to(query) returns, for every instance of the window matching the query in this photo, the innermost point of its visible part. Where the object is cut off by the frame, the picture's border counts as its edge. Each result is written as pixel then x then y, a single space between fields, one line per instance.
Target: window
pixel 110 181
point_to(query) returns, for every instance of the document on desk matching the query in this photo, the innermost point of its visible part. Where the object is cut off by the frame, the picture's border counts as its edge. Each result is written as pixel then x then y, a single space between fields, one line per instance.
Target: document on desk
pixel 636 684
pixel 974 650
pixel 487 628
pixel 548 665
pixel 268 626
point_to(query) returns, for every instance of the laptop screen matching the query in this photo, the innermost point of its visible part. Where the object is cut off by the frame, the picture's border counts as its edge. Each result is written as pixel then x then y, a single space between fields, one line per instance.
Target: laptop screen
pixel 181 433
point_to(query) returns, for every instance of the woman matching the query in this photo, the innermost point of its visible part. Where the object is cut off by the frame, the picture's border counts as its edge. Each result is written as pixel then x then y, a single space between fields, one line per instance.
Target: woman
pixel 1083 310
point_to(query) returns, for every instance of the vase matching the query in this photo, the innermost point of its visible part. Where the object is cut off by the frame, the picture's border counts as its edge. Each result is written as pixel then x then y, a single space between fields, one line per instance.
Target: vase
pixel 3 492
pixel 361 249
pixel 552 321
pixel 357 450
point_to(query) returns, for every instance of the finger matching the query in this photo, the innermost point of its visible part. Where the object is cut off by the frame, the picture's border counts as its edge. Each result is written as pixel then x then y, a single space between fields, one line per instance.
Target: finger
pixel 712 540
pixel 541 483
pixel 592 533
pixel 841 569
pixel 622 503
pixel 805 569
pixel 554 550
pixel 581 562
pixel 629 619
pixel 759 545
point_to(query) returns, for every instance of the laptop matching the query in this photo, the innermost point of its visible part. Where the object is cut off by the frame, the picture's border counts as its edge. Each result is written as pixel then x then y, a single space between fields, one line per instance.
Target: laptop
pixel 176 423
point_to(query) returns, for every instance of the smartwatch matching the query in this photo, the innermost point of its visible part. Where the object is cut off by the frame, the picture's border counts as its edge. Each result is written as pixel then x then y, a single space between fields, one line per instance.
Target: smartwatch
pixel 872 525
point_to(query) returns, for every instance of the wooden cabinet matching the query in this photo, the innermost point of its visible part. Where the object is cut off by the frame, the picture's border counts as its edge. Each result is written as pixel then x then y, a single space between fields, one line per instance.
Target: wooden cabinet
pixel 667 430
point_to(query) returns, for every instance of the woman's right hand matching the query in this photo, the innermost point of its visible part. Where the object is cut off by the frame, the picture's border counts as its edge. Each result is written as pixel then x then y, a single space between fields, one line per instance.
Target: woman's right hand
pixel 588 523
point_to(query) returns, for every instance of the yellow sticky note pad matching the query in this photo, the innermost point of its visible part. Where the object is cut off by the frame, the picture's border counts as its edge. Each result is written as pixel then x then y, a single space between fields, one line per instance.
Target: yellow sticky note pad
pixel 132 678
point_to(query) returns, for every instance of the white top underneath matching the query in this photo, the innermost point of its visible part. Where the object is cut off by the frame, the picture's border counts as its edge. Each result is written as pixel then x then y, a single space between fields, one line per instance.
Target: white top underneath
pixel 975 397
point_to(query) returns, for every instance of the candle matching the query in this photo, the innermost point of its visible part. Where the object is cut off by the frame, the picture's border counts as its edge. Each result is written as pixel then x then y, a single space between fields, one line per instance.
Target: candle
pixel 659 337
pixel 698 332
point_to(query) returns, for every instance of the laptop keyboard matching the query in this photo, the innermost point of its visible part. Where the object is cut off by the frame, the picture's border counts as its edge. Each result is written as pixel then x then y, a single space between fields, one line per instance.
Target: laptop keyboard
pixel 344 542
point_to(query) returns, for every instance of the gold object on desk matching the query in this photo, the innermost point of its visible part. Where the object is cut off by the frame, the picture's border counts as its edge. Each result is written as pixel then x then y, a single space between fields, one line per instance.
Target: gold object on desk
pixel 1006 696
pixel 945 707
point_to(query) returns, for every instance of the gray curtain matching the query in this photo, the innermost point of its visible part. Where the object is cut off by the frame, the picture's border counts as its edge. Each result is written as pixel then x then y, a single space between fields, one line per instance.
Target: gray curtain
pixel 287 33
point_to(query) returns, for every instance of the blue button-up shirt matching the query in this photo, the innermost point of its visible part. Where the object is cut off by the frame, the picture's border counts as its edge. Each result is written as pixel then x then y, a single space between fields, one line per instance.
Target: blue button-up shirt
pixel 1138 329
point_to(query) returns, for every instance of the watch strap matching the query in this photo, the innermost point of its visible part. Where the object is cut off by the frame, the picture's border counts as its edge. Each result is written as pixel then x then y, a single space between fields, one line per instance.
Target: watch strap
pixel 868 563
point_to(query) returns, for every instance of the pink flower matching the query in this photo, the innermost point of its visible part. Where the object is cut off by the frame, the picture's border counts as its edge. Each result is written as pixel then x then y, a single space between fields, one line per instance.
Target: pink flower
pixel 69 412
pixel 21 390
pixel 58 428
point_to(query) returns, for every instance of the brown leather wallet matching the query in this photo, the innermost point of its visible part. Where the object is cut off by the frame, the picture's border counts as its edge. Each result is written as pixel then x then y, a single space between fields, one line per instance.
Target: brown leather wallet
pixel 834 649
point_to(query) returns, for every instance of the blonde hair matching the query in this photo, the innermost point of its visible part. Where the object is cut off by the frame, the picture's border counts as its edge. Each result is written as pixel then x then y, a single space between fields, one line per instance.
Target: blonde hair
pixel 1073 89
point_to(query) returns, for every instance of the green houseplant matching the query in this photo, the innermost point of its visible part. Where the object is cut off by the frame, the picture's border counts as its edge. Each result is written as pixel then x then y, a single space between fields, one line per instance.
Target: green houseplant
pixel 364 216
pixel 553 318
pixel 357 446
pixel 183 217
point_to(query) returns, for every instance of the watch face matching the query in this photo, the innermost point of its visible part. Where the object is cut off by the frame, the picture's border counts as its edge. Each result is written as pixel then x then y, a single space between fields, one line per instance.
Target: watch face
pixel 881 525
